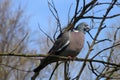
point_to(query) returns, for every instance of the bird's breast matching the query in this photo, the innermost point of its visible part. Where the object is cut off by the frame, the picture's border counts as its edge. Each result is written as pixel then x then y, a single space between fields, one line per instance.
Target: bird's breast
pixel 75 46
pixel 76 42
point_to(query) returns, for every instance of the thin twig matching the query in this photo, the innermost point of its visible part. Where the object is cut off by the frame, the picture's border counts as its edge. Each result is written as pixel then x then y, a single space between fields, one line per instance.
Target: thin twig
pixel 97 34
pixel 45 34
pixel 62 58
pixel 66 70
pixel 97 17
pixel 57 64
pixel 99 41
pixel 92 69
pixel 15 68
pixel 69 13
pixel 105 50
pixel 54 12
pixel 18 44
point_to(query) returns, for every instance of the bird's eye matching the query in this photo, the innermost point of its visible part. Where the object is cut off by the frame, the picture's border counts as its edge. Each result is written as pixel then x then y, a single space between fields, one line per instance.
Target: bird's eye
pixel 84 29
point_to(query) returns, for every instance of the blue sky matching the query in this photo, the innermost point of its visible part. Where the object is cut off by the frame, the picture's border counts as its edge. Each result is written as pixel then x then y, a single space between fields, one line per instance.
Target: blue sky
pixel 39 13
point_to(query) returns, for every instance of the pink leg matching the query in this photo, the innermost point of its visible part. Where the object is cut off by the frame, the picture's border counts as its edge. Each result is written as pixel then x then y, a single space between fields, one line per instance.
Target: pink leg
pixel 72 58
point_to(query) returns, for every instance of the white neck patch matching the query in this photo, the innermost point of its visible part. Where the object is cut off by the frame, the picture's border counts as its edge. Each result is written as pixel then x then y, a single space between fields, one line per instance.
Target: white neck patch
pixel 76 31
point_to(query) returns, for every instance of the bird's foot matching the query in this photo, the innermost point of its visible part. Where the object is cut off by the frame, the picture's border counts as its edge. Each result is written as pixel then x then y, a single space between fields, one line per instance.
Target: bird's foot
pixel 71 58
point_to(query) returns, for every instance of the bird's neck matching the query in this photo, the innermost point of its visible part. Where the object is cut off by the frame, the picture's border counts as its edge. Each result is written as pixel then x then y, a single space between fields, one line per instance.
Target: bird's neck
pixel 75 30
pixel 79 31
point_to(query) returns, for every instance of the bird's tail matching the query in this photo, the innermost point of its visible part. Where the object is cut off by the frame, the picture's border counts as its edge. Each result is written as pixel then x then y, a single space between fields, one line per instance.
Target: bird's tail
pixel 43 64
pixel 39 68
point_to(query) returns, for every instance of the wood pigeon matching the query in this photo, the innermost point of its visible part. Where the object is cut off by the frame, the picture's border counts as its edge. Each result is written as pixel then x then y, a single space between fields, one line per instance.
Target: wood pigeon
pixel 68 44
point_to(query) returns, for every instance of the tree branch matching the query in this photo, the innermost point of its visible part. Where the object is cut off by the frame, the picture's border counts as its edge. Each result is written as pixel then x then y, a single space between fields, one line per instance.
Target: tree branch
pixel 61 58
pixel 97 17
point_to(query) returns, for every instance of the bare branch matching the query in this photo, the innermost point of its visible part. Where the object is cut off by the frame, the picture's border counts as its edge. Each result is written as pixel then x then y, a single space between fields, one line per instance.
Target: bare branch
pixel 104 3
pixel 45 34
pixel 61 58
pixel 99 41
pixel 66 71
pixel 54 12
pixel 57 64
pixel 95 17
pixel 90 35
pixel 69 13
pixel 14 67
pixel 105 50
pixel 18 44
pixel 92 69
pixel 98 32
pixel 77 16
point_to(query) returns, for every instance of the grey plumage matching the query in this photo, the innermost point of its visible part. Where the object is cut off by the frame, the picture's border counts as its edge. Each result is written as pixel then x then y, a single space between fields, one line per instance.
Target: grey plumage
pixel 68 44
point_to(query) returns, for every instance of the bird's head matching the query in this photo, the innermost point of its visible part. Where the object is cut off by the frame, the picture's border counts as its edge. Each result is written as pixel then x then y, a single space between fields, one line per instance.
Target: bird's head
pixel 83 27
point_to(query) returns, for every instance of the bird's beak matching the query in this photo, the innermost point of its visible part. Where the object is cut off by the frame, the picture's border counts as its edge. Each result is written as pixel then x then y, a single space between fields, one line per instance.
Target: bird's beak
pixel 87 28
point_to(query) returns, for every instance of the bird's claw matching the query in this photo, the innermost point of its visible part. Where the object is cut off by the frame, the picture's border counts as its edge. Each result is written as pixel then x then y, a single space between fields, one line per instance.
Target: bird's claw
pixel 71 58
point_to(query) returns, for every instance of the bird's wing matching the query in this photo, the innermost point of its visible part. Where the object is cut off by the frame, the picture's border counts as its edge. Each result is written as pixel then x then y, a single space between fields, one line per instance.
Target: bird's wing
pixel 61 43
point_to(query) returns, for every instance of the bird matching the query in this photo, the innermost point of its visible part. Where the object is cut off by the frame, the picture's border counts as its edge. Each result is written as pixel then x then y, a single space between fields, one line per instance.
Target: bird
pixel 67 44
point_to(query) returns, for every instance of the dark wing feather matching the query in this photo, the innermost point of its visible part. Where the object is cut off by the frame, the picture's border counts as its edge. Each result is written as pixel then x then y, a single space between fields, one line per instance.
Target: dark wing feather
pixel 58 46
pixel 60 43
